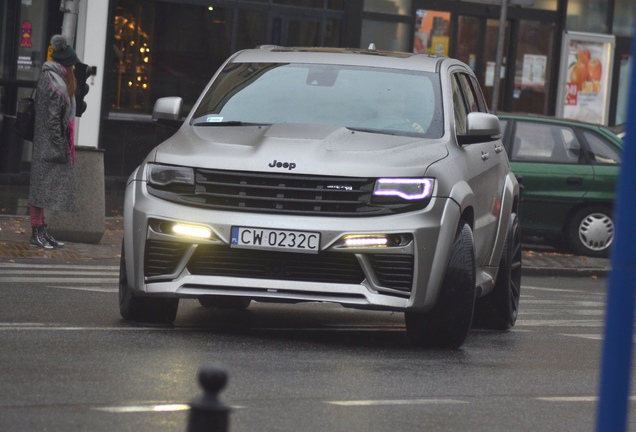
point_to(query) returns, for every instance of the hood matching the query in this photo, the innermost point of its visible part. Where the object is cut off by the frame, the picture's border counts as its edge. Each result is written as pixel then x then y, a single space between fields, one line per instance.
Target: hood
pixel 300 149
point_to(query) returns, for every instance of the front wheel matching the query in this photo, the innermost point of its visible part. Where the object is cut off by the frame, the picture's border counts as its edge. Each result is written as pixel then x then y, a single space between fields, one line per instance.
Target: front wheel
pixel 590 232
pixel 448 323
pixel 143 309
pixel 499 309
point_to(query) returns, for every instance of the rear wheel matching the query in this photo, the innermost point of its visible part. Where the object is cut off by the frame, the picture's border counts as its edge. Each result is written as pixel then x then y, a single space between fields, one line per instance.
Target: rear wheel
pixel 221 302
pixel 499 309
pixel 448 323
pixel 590 232
pixel 144 309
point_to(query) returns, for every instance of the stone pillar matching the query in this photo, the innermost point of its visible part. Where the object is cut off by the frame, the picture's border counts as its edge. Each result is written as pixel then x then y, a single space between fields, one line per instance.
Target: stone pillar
pixel 88 223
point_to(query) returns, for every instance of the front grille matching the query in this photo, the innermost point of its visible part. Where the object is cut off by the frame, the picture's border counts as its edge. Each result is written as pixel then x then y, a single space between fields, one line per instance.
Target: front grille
pixel 162 257
pixel 326 267
pixel 394 271
pixel 282 194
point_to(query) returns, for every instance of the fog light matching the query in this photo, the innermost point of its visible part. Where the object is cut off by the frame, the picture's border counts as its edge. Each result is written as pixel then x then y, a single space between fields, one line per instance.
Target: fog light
pixel 366 241
pixel 192 230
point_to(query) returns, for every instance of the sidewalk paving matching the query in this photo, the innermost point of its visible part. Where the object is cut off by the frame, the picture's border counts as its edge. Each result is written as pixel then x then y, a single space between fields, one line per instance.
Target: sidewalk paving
pixel 15 233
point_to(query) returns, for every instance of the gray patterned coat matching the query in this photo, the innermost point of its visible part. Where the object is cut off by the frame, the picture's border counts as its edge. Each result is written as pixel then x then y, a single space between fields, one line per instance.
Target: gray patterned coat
pixel 53 177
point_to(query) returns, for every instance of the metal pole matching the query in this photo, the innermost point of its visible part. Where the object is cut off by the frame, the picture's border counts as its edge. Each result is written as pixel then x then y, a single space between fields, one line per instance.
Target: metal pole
pixel 500 49
pixel 69 24
pixel 618 339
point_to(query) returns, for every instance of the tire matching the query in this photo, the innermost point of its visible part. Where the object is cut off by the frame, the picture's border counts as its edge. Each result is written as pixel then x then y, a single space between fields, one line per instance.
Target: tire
pixel 499 309
pixel 590 232
pixel 448 323
pixel 221 302
pixel 143 309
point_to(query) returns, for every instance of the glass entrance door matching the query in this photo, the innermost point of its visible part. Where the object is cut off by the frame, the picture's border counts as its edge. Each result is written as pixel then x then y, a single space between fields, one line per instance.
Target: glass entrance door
pixel 533 56
pixel 524 83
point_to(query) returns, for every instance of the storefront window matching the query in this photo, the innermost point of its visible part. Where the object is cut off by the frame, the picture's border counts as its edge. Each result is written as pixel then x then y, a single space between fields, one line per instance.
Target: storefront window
pixel 32 43
pixel 587 16
pixel 532 66
pixel 154 57
pixel 300 3
pixel 254 29
pixel 533 4
pixel 432 32
pixel 624 17
pixel 467 41
pixel 392 7
pixel 388 36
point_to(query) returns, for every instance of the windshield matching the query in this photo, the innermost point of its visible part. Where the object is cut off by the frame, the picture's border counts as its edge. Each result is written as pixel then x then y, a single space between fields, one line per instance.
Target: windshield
pixel 358 98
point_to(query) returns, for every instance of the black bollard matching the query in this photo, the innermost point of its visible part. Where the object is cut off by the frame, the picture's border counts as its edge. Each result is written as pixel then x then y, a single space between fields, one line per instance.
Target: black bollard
pixel 207 412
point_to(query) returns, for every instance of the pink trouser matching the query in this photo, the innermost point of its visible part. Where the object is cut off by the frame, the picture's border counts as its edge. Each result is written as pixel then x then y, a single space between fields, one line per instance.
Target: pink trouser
pixel 37 215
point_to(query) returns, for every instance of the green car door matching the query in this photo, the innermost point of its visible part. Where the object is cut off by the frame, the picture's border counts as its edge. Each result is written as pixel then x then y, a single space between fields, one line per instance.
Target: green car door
pixel 554 173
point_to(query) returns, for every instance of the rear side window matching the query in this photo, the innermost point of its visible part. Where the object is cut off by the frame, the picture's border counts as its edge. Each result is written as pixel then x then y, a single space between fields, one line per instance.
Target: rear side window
pixel 537 142
pixel 601 151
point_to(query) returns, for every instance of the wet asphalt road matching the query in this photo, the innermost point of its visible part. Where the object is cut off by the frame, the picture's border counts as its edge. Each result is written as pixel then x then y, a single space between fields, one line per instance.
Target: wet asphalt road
pixel 69 363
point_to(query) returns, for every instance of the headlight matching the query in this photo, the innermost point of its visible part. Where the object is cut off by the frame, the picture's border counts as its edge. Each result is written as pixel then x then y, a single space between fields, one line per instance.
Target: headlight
pixel 164 175
pixel 404 188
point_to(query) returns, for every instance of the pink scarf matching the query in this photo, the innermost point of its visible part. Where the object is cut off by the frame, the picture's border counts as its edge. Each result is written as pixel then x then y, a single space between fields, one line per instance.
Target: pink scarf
pixel 71 150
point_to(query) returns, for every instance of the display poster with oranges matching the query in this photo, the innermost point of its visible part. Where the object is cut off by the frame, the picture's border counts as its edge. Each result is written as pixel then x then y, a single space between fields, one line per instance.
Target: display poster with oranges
pixel 586 73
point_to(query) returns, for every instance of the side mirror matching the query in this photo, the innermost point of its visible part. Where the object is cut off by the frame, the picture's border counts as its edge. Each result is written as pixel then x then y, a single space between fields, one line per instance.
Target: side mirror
pixel 480 127
pixel 167 111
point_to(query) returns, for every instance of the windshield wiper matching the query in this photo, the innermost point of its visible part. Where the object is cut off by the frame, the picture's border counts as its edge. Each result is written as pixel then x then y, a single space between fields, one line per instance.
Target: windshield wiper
pixel 227 123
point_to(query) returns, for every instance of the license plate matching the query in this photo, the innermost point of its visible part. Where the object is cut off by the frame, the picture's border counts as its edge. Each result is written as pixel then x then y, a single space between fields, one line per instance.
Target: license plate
pixel 275 239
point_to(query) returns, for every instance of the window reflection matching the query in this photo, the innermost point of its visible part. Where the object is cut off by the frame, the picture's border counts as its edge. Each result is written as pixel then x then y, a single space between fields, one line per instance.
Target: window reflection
pixel 393 7
pixel 587 16
pixel 432 32
pixel 388 36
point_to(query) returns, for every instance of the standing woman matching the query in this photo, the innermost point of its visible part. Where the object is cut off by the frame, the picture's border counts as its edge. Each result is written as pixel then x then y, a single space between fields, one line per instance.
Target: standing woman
pixel 53 179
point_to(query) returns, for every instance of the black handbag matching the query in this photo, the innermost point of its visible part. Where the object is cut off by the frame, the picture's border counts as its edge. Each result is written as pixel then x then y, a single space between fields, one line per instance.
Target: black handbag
pixel 24 125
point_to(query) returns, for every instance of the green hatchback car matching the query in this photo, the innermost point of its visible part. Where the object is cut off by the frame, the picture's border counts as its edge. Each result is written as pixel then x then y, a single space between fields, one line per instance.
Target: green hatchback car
pixel 568 171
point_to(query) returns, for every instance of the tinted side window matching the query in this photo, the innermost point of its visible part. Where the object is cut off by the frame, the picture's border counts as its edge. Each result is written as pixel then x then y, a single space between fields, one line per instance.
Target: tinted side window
pixel 601 151
pixel 459 106
pixel 536 142
pixel 479 95
pixel 468 92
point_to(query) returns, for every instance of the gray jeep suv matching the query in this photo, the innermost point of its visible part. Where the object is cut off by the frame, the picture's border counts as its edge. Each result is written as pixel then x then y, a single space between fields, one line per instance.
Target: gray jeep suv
pixel 375 180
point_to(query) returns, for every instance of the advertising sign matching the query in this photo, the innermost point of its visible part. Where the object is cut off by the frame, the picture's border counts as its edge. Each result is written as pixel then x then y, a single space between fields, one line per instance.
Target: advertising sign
pixel 585 77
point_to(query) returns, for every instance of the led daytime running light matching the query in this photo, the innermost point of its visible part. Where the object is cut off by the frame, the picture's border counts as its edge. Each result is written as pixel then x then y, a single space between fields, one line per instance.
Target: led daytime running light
pixel 365 241
pixel 192 231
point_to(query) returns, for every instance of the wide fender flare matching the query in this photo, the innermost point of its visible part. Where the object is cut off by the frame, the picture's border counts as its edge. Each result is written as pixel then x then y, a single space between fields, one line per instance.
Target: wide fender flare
pixel 509 193
pixel 461 197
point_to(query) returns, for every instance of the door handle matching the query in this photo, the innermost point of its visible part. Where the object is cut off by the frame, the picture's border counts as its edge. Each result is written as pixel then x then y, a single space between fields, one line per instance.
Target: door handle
pixel 485 155
pixel 498 149
pixel 574 181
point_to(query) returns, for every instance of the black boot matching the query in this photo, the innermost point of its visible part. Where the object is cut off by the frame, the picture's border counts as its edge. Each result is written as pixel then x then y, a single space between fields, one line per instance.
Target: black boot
pixel 50 239
pixel 38 239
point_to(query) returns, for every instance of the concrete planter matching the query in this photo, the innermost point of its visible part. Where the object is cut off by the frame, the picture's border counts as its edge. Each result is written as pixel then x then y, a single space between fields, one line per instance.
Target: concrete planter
pixel 87 224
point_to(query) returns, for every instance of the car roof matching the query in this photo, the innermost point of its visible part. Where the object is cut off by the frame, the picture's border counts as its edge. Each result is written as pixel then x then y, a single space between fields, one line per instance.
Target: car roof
pixel 345 56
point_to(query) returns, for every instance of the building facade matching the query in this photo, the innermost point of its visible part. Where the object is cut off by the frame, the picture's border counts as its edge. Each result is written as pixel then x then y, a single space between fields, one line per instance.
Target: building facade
pixel 146 49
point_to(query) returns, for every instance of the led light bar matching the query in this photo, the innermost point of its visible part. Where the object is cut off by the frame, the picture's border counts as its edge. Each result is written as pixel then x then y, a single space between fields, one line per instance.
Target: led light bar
pixel 366 241
pixel 192 230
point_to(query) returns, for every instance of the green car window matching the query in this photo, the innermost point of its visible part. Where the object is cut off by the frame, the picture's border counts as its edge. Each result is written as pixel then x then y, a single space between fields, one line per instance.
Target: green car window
pixel 601 151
